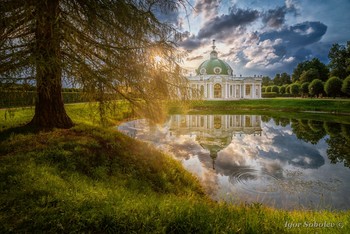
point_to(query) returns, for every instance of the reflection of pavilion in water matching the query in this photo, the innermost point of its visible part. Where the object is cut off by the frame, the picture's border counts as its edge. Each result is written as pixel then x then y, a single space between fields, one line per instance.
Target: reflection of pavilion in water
pixel 215 132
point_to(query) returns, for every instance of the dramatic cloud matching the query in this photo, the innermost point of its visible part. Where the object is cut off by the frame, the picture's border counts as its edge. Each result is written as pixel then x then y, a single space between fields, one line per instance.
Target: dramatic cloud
pixel 298 35
pixel 190 42
pixel 275 18
pixel 236 18
pixel 264 37
pixel 209 8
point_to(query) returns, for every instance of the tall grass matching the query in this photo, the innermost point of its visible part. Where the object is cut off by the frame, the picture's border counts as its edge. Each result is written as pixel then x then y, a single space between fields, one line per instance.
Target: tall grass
pixel 95 180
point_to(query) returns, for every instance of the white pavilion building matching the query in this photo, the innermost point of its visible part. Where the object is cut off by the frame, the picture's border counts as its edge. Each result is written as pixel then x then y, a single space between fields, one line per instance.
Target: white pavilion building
pixel 214 80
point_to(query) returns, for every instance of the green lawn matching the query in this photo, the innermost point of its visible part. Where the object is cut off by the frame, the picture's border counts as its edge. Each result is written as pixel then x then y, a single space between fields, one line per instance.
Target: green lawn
pixel 91 179
pixel 281 104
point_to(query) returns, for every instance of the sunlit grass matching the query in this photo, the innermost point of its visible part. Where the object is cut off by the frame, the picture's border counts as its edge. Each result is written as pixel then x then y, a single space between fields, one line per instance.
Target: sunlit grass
pixel 281 104
pixel 86 113
pixel 90 179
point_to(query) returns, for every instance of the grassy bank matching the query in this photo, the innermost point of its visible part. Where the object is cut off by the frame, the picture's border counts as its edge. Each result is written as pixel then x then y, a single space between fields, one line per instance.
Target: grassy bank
pixel 86 113
pixel 89 179
pixel 280 104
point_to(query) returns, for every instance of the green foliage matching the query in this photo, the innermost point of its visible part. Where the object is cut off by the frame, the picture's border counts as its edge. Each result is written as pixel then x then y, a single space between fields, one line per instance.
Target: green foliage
pixel 309 75
pixel 275 89
pixel 295 89
pixel 22 99
pixel 269 95
pixel 316 88
pixel 269 89
pixel 101 46
pixel 263 89
pixel 266 81
pixel 281 79
pixel 316 64
pixel 282 90
pixel 304 89
pixel 339 56
pixel 333 86
pixel 92 180
pixel 288 89
pixel 346 86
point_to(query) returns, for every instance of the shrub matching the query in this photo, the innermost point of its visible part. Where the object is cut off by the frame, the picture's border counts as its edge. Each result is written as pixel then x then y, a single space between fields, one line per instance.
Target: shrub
pixel 315 88
pixel 282 90
pixel 288 89
pixel 269 94
pixel 304 89
pixel 263 89
pixel 294 89
pixel 275 89
pixel 346 86
pixel 333 86
pixel 269 89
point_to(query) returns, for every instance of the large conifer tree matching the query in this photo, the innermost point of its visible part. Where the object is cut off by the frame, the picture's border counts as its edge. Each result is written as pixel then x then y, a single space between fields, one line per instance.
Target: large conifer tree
pixel 106 43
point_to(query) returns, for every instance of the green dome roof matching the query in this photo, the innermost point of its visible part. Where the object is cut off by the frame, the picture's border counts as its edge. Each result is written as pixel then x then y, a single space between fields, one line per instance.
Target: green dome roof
pixel 214 66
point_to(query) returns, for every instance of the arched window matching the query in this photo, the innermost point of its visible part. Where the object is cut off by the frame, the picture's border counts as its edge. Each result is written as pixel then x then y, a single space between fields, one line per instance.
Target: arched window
pixel 202 91
pixel 217 91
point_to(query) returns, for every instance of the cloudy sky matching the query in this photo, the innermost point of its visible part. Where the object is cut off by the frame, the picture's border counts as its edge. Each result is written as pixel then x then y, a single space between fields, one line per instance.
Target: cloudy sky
pixel 262 37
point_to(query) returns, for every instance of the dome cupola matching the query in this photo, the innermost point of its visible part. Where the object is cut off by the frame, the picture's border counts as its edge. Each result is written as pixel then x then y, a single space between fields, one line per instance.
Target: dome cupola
pixel 214 66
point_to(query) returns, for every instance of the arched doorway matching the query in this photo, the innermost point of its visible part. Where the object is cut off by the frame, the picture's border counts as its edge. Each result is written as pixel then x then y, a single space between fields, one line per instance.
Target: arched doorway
pixel 217 91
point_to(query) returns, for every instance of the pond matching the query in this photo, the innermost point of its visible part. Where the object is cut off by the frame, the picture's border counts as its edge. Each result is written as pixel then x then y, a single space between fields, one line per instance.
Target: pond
pixel 281 162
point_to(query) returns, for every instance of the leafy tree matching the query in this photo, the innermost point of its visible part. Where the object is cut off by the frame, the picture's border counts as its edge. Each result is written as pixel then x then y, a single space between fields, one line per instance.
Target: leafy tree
pixel 333 86
pixel 315 63
pixel 315 88
pixel 339 56
pixel 288 89
pixel 295 89
pixel 269 89
pixel 266 81
pixel 275 89
pixel 346 86
pixel 282 89
pixel 309 75
pixel 285 78
pixel 277 80
pixel 103 46
pixel 281 79
pixel 304 89
pixel 263 89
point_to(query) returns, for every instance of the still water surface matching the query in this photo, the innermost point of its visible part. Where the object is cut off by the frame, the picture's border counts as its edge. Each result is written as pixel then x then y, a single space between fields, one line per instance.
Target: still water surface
pixel 284 163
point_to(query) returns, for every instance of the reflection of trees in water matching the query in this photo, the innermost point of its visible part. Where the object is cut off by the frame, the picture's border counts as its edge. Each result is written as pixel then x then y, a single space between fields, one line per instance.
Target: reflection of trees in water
pixel 338 142
pixel 265 118
pixel 339 146
pixel 332 129
pixel 313 131
pixel 308 130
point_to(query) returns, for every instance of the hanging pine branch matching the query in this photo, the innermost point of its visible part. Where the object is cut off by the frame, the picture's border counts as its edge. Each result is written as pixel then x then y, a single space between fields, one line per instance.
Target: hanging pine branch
pixel 109 43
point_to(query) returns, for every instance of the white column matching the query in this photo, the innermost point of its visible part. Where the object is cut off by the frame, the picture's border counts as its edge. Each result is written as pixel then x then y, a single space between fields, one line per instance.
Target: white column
pixel 244 90
pixel 254 91
pixel 234 91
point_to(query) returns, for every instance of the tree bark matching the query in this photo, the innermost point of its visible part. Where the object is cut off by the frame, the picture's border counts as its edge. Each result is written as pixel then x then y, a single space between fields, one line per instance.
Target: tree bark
pixel 49 107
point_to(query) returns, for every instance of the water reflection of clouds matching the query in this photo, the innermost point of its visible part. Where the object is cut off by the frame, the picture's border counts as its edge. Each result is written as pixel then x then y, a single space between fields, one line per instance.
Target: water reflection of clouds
pixel 276 154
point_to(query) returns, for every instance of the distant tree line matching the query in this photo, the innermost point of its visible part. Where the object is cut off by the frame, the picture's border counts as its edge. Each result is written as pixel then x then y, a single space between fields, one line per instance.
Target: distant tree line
pixel 312 78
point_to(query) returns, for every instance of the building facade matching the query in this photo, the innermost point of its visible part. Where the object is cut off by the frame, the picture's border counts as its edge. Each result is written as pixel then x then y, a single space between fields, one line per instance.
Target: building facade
pixel 214 80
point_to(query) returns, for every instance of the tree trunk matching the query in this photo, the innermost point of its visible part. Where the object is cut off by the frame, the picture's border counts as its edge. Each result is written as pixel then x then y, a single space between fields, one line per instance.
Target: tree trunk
pixel 49 107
